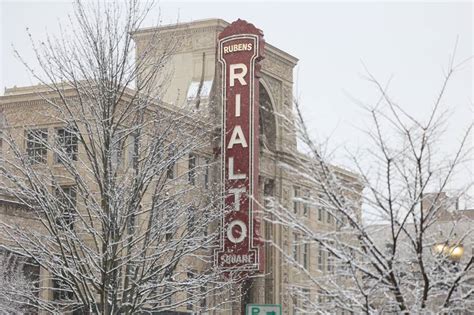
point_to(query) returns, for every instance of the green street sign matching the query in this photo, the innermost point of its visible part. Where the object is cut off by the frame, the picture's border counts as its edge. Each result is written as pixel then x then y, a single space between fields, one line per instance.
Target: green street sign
pixel 263 309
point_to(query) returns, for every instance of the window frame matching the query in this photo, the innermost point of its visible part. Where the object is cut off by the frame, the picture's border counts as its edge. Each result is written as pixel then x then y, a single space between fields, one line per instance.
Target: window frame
pixel 306 208
pixel 118 142
pixel 191 219
pixel 61 291
pixel 133 150
pixel 31 150
pixel 295 247
pixel 296 192
pixel 329 218
pixel 320 259
pixel 62 146
pixel 206 174
pixel 172 154
pixel 330 261
pixel 192 164
pixel 67 194
pixel 306 255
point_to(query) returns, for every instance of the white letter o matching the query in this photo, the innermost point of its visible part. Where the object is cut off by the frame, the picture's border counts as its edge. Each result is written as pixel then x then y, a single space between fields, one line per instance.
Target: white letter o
pixel 243 228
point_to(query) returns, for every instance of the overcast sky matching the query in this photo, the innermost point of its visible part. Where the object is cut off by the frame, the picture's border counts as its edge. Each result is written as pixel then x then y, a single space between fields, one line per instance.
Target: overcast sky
pixel 410 42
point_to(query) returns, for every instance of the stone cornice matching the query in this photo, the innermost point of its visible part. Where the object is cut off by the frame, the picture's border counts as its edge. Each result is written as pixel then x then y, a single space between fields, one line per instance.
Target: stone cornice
pixel 37 95
pixel 200 26
pixel 203 26
pixel 281 55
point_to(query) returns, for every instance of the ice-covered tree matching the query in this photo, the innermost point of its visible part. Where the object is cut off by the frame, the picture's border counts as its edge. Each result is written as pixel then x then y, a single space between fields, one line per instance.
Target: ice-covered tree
pixel 116 185
pixel 16 288
pixel 386 240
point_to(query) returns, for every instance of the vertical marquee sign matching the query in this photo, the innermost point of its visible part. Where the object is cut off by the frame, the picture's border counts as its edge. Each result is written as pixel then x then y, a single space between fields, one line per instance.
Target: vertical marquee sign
pixel 240 49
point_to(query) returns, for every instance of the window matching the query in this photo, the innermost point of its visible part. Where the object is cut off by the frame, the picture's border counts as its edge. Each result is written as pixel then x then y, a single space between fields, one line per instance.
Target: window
pixel 61 290
pixel 305 255
pixel 191 294
pixel 203 295
pixel 295 247
pixel 321 208
pixel 117 146
pixel 320 259
pixel 191 211
pixel 192 169
pixel 36 141
pixel 307 297
pixel 306 204
pixel 199 90
pixel 295 202
pixel 170 220
pixel 329 217
pixel 171 161
pixel 133 151
pixel 66 199
pixel 66 141
pixel 206 173
pixel 330 264
pixel 268 187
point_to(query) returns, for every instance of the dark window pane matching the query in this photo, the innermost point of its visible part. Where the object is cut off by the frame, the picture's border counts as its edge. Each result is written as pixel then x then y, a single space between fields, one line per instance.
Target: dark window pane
pixel 66 201
pixel 192 169
pixel 66 141
pixel 61 291
pixel 36 145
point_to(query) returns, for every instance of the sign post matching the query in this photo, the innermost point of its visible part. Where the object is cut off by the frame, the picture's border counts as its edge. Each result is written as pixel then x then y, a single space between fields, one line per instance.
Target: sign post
pixel 240 49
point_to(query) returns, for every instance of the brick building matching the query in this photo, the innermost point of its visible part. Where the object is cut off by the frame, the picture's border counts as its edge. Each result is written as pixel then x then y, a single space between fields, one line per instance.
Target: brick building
pixel 194 80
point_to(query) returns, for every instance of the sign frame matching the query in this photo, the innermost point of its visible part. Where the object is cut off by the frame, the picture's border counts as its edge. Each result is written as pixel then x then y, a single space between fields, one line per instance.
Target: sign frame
pixel 248 306
pixel 240 46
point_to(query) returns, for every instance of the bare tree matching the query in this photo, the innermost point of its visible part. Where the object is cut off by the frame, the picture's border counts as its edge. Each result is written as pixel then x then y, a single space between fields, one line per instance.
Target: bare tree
pixel 15 286
pixel 114 222
pixel 403 252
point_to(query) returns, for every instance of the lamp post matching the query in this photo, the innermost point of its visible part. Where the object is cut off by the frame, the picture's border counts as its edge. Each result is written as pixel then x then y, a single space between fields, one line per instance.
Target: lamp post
pixel 453 252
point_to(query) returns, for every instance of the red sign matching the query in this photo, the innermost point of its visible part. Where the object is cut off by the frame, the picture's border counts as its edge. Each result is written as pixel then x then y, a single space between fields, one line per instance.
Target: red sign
pixel 240 49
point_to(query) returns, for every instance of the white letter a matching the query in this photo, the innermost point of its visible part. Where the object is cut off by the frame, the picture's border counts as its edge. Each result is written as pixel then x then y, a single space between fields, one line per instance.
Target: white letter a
pixel 237 138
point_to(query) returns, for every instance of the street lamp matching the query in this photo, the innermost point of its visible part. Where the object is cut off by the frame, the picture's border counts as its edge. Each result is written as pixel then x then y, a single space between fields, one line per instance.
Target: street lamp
pixel 456 252
pixel 453 252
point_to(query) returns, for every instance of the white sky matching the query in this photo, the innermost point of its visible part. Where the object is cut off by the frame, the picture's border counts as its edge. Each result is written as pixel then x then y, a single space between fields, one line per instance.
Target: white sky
pixel 412 42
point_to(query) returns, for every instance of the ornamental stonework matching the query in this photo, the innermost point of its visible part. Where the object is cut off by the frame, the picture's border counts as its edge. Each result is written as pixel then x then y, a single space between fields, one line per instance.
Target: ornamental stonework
pixel 274 87
pixel 278 68
pixel 203 41
pixel 287 95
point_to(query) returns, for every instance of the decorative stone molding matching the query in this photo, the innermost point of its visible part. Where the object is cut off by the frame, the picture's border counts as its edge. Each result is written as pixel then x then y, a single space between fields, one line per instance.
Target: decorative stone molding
pixel 182 40
pixel 203 41
pixel 278 67
pixel 274 86
pixel 287 95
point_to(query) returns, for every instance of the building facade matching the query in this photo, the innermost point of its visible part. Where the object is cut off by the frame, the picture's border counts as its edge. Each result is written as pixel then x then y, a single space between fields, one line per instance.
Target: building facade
pixel 194 62
pixel 192 80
